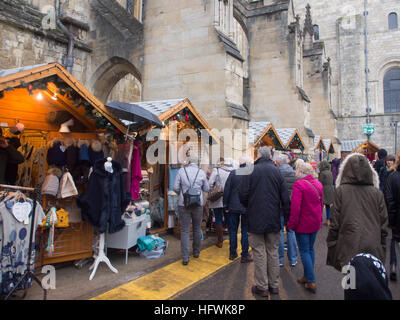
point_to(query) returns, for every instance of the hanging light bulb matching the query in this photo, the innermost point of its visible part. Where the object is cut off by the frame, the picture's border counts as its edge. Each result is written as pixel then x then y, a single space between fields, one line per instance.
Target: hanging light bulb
pixel 39 96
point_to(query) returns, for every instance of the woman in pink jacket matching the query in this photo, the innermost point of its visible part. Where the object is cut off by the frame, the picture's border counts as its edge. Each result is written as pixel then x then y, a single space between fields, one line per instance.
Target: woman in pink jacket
pixel 306 219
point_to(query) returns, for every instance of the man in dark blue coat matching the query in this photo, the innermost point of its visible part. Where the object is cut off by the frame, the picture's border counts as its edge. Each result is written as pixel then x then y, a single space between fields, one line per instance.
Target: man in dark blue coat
pixel 236 213
pixel 264 193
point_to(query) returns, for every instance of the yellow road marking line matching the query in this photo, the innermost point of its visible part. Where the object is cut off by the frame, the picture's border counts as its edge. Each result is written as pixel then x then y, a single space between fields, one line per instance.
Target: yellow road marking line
pixel 174 278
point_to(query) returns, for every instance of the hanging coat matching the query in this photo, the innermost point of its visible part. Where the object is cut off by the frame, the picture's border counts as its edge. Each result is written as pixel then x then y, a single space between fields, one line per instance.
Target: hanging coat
pixel 136 172
pixel 105 199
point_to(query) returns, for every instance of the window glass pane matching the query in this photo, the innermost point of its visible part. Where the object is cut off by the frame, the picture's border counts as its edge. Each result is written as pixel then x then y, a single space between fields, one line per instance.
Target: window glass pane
pixel 391 86
pixel 316 32
pixel 395 84
pixel 393 21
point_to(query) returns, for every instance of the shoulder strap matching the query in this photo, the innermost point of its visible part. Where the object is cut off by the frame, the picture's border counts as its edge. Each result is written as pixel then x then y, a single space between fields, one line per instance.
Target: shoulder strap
pixel 194 178
pixel 319 196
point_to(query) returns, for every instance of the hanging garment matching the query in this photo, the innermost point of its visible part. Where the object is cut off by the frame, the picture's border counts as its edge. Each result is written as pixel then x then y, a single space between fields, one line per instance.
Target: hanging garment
pixel 25 169
pixel 14 244
pixel 39 159
pixel 67 186
pixel 124 157
pixel 136 172
pixel 95 152
pixel 56 155
pixel 105 200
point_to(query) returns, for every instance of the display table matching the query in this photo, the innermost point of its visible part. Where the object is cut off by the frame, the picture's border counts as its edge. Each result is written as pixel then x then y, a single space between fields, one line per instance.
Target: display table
pixel 127 237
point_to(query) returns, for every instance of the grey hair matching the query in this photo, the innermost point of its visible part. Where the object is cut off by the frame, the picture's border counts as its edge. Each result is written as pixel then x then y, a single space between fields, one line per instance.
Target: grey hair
pixel 264 152
pixel 304 168
pixel 193 158
pixel 283 159
pixel 245 159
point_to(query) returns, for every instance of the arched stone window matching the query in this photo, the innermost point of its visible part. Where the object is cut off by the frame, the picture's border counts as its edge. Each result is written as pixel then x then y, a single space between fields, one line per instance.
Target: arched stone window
pixel 393 22
pixel 316 32
pixel 391 88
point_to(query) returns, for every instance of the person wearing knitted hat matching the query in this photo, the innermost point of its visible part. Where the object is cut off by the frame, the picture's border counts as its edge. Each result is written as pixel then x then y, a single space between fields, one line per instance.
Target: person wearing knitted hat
pixel 371 280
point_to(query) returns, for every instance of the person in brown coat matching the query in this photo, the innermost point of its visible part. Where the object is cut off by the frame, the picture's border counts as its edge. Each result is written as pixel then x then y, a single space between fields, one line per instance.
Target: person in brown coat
pixel 359 217
pixel 325 177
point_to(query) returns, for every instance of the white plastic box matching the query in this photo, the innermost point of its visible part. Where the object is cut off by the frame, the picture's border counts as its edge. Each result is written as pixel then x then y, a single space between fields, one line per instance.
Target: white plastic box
pixel 127 237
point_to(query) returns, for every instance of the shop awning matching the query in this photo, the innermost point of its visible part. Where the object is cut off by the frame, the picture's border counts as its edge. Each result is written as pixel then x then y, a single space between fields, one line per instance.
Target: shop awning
pixel 132 115
pixel 291 138
pixel 176 109
pixel 41 89
pixel 319 143
pixel 360 146
pixel 264 133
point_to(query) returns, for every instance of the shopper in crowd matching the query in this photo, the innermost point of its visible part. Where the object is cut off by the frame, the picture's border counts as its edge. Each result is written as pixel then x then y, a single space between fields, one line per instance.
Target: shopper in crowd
pixel 288 174
pixel 8 154
pixel 326 178
pixel 187 177
pixel 236 213
pixel 359 217
pixel 11 174
pixel 370 279
pixel 306 219
pixel 218 176
pixel 382 153
pixel 384 170
pixel 392 198
pixel 264 194
pixel 335 169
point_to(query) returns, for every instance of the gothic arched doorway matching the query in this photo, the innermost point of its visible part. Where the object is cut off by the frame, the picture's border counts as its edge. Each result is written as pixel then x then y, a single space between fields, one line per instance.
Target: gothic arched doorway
pixel 117 79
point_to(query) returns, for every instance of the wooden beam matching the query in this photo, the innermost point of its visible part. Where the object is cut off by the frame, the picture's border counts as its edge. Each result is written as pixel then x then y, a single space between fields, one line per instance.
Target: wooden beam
pixel 14 80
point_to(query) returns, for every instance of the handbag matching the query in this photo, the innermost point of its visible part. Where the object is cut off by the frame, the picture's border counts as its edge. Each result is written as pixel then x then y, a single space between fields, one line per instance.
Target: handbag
pixel 191 198
pixel 217 191
pixel 57 218
pixel 62 219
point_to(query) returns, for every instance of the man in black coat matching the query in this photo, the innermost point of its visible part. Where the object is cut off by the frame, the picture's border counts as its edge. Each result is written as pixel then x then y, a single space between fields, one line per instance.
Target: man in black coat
pixel 264 194
pixel 392 199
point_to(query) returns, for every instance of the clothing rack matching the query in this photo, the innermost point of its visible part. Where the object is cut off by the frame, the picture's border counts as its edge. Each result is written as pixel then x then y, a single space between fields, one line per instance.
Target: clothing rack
pixel 28 273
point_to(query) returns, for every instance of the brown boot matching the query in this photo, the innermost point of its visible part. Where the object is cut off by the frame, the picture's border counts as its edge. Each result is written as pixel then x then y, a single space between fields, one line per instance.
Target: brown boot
pixel 220 236
pixel 302 280
pixel 311 286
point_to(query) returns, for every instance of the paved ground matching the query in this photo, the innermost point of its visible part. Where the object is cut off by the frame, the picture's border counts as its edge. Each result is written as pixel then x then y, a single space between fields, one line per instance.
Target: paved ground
pixel 235 281
pixel 74 284
pixel 231 281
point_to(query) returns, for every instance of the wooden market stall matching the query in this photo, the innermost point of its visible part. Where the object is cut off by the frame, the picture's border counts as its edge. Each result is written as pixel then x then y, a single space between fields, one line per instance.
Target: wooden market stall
pixel 368 148
pixel 263 134
pixel 156 186
pixel 50 104
pixel 291 139
pixel 319 149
